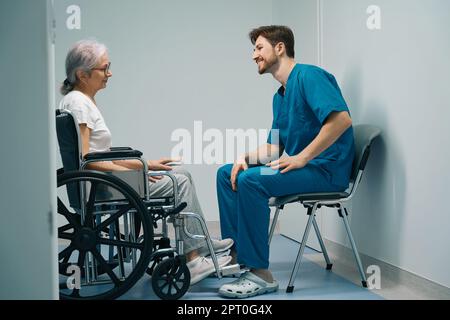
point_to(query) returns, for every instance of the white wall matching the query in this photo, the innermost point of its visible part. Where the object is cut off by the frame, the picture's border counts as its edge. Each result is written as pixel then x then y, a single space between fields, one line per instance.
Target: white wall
pixel 28 268
pixel 397 78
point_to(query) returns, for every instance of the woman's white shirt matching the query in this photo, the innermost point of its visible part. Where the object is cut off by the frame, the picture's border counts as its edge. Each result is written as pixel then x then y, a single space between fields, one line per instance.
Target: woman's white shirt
pixel 86 112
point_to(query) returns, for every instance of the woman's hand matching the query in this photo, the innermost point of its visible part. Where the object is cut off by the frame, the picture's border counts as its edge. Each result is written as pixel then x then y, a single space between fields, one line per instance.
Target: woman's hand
pixel 160 165
pixel 154 178
pixel 288 163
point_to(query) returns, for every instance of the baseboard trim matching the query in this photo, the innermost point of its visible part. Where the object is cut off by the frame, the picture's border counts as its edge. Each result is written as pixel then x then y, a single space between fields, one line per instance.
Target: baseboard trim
pixel 396 283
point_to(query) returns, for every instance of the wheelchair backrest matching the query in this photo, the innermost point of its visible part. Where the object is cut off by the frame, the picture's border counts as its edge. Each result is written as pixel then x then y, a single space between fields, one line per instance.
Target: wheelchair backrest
pixel 67 132
pixel 68 140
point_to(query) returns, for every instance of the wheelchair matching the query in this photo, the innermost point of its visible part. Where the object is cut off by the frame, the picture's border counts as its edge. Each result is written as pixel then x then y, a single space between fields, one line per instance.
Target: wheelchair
pixel 111 232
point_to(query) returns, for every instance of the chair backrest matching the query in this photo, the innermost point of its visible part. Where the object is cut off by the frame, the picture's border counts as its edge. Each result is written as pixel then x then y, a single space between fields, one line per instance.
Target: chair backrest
pixel 67 132
pixel 364 135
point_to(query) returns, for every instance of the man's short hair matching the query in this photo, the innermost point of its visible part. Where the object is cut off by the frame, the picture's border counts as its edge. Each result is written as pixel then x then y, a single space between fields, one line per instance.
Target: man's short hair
pixel 275 34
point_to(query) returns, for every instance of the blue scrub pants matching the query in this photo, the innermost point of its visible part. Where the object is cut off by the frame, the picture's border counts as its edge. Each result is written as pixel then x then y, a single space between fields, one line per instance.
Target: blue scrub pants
pixel 245 214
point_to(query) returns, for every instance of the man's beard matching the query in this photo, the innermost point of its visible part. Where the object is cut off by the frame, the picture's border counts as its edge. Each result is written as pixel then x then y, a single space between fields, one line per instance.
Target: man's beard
pixel 267 64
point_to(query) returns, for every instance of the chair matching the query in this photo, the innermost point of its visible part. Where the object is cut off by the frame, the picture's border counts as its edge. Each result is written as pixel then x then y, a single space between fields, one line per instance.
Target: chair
pixel 364 136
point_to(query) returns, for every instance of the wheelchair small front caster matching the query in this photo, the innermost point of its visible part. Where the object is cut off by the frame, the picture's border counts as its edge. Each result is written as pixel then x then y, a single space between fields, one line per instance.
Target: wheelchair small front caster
pixel 171 278
pixel 163 243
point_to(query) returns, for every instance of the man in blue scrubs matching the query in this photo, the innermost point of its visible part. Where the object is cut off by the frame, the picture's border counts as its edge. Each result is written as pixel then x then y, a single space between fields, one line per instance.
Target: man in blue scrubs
pixel 312 125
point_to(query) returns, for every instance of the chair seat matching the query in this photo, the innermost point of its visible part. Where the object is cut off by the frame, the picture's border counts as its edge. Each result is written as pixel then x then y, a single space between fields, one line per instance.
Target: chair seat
pixel 310 197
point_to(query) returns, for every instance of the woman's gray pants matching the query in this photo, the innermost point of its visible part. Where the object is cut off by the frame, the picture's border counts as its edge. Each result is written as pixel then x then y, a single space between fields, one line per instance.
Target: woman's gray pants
pixel 186 193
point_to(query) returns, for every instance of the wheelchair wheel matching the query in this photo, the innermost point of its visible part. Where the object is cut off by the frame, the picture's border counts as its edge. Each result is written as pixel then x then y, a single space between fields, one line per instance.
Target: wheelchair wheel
pixel 171 278
pixel 104 246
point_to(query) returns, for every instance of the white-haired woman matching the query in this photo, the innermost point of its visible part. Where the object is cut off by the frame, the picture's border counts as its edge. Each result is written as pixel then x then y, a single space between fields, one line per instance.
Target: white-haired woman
pixel 88 70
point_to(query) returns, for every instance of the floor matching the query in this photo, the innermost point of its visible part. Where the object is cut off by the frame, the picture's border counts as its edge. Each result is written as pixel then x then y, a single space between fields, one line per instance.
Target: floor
pixel 313 281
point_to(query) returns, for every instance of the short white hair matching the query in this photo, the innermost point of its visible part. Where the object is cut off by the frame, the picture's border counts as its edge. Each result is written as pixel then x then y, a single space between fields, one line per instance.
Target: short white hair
pixel 84 55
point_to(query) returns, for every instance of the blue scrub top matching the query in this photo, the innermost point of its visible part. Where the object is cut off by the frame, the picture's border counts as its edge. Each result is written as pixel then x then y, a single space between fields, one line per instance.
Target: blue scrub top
pixel 300 111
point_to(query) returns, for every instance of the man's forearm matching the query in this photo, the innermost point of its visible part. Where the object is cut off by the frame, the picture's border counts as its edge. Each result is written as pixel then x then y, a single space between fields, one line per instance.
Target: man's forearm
pixel 262 155
pixel 335 126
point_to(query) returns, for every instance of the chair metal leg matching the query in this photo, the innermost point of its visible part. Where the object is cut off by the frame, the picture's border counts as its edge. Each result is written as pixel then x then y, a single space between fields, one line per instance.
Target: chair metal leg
pixel 322 245
pixel 274 223
pixel 311 212
pixel 353 244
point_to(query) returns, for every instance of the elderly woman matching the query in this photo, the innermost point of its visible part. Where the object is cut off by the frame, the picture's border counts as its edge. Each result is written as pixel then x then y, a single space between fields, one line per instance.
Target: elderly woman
pixel 88 70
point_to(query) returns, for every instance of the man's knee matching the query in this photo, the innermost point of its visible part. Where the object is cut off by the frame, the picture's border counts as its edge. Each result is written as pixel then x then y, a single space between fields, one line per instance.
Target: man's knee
pixel 247 179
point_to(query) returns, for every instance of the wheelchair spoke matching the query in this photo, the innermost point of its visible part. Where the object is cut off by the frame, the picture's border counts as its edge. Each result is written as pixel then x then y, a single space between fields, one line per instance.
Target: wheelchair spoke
pixel 65 228
pixel 169 290
pixel 106 267
pixel 111 219
pixel 165 282
pixel 123 244
pixel 90 205
pixel 177 288
pixel 178 274
pixel 66 253
pixel 66 236
pixel 65 260
pixel 67 214
pixel 81 258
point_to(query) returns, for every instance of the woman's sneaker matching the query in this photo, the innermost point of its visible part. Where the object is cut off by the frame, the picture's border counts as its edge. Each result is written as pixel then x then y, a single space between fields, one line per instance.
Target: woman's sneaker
pixel 202 267
pixel 218 246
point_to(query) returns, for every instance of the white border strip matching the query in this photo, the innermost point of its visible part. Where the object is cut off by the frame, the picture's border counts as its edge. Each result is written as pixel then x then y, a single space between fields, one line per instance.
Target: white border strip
pixel 320 33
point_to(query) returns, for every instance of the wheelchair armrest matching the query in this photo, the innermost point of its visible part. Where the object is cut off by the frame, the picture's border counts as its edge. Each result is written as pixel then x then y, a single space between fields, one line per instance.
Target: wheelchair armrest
pixel 177 209
pixel 172 177
pixel 113 154
pixel 120 148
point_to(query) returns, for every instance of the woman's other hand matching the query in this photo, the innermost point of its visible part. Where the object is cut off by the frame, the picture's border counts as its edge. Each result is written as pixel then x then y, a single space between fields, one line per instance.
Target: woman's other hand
pixel 159 165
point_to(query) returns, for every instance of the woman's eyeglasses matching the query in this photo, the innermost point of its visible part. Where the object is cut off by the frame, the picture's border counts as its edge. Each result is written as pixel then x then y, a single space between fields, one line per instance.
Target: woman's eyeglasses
pixel 104 69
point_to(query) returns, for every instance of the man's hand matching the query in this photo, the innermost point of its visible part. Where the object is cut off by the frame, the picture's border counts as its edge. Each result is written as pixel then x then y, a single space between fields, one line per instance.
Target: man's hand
pixel 288 163
pixel 239 165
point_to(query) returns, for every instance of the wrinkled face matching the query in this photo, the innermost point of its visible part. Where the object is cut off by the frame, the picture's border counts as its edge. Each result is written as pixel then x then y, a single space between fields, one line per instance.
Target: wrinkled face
pixel 264 55
pixel 100 74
